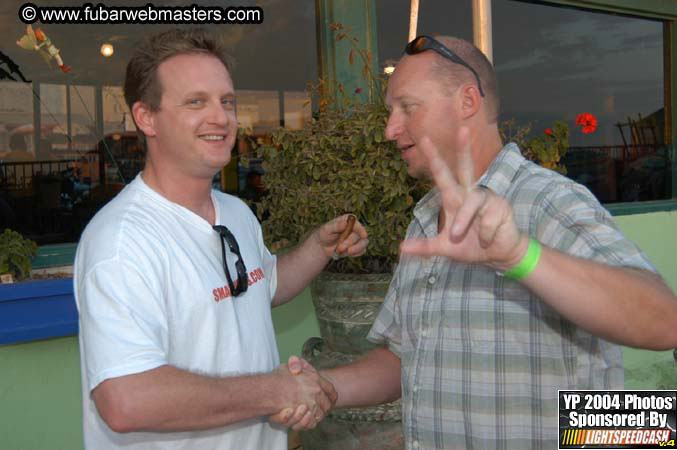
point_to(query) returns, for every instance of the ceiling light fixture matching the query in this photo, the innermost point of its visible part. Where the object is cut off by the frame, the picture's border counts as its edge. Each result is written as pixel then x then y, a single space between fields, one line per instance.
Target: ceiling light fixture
pixel 107 50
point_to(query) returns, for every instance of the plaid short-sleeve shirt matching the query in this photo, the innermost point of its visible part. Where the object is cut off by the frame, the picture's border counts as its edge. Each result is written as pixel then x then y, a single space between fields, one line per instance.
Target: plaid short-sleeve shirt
pixel 482 357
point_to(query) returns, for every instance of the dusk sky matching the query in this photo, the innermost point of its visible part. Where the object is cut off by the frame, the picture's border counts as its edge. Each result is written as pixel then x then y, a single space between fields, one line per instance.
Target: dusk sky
pixel 552 63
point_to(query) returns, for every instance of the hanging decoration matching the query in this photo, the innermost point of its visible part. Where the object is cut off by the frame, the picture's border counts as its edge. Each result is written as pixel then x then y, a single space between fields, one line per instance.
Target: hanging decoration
pixel 38 41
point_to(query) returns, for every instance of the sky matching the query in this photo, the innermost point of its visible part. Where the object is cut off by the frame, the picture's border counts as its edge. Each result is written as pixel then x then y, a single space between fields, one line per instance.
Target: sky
pixel 552 62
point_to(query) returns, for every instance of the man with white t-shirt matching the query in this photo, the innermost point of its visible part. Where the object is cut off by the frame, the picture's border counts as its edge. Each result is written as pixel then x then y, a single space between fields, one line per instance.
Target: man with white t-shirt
pixel 174 285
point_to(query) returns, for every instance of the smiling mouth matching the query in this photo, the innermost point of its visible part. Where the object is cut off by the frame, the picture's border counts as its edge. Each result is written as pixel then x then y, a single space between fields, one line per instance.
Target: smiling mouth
pixel 212 137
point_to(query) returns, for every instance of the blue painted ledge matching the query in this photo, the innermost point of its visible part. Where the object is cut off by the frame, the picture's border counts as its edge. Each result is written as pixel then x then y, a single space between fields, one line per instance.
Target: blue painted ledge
pixel 39 309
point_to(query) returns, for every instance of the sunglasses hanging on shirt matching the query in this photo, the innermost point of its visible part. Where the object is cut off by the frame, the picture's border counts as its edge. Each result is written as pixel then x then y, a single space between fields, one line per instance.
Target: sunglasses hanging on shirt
pixel 228 238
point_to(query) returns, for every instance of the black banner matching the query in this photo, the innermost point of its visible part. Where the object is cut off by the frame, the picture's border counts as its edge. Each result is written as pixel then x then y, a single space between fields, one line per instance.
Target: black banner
pixel 617 419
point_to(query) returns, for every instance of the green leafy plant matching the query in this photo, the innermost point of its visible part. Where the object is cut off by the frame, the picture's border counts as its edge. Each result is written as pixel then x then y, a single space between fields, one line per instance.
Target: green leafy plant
pixel 16 253
pixel 340 162
pixel 546 150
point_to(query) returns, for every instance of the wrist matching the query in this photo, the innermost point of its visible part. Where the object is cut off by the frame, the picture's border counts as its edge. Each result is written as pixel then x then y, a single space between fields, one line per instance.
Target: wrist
pixel 325 251
pixel 278 390
pixel 527 263
pixel 327 375
pixel 516 255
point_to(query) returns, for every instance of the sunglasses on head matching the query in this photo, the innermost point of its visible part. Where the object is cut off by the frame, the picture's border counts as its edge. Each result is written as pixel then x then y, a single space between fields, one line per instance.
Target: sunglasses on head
pixel 228 238
pixel 423 43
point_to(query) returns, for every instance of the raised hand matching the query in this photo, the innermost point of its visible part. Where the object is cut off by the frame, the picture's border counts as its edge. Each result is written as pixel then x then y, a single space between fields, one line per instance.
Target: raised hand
pixel 333 243
pixel 476 225
pixel 302 416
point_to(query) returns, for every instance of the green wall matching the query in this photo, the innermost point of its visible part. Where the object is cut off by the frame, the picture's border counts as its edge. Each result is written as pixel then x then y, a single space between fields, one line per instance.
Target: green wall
pixel 40 400
pixel 294 323
pixel 40 395
pixel 40 387
pixel 655 234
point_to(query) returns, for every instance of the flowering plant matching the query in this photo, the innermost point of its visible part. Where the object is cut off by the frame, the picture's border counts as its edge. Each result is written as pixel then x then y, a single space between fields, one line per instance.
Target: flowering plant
pixel 587 121
pixel 546 150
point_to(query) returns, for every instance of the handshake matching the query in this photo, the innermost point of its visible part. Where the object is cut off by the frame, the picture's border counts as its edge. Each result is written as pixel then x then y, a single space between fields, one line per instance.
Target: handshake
pixel 308 396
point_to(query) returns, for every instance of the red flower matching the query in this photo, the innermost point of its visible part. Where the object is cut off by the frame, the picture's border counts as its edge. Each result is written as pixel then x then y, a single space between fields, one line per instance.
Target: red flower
pixel 548 131
pixel 358 90
pixel 587 121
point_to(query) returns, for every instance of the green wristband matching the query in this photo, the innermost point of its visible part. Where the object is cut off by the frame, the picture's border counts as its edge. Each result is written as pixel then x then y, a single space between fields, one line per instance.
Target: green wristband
pixel 528 263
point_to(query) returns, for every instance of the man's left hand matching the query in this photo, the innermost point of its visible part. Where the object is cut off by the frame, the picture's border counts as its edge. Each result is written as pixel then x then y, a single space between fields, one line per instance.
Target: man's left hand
pixel 355 244
pixel 477 226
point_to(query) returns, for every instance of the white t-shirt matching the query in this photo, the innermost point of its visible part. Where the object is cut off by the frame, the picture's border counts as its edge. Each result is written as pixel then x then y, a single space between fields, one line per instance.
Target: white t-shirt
pixel 151 290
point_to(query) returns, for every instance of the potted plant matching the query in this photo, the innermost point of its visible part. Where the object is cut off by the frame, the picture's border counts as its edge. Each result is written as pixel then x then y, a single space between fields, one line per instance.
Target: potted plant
pixel 15 256
pixel 340 162
pixel 31 309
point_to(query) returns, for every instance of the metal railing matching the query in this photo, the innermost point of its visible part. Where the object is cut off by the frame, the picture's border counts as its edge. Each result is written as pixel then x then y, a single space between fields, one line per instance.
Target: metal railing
pixel 19 175
pixel 622 173
pixel 622 153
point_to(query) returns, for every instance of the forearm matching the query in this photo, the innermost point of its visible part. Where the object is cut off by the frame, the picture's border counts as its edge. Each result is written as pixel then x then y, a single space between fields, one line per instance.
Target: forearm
pixel 297 268
pixel 627 306
pixel 372 380
pixel 170 399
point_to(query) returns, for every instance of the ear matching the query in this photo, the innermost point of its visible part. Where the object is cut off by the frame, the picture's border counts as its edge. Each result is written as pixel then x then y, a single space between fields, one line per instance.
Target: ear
pixel 470 99
pixel 143 116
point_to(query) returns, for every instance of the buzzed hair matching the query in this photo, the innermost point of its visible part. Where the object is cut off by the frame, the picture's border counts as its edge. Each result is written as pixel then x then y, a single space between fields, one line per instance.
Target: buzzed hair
pixel 453 75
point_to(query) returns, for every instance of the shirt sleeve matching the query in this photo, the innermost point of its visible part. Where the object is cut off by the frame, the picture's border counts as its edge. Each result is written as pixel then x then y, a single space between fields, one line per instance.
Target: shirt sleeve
pixel 574 222
pixel 122 322
pixel 387 328
pixel 268 260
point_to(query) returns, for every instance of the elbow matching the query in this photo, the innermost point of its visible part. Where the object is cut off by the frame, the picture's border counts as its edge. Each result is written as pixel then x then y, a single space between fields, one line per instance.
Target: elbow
pixel 666 342
pixel 394 394
pixel 665 334
pixel 665 338
pixel 657 347
pixel 115 408
pixel 117 423
pixel 117 419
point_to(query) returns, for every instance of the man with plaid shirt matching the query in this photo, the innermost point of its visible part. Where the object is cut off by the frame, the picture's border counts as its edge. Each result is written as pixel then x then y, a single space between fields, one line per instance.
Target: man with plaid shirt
pixel 513 282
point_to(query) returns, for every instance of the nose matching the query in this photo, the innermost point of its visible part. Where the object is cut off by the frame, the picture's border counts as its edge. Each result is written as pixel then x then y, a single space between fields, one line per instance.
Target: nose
pixel 393 127
pixel 219 115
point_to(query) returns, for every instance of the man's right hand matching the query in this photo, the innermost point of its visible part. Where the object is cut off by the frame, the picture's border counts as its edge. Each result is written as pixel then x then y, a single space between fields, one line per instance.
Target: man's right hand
pixel 303 417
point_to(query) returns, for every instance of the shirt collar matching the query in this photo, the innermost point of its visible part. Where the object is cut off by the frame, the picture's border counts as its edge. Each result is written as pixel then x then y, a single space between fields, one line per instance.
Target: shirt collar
pixel 502 170
pixel 497 177
pixel 426 212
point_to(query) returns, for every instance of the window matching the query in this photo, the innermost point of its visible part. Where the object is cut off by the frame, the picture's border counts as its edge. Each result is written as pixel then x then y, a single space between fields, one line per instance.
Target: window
pixel 297 109
pixel 446 18
pixel 556 63
pixel 67 140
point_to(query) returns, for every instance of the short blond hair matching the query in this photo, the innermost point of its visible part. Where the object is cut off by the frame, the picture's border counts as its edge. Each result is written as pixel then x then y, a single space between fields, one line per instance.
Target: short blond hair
pixel 141 80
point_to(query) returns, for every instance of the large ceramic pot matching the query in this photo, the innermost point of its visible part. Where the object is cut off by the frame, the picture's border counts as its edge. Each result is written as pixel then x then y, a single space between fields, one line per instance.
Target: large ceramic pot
pixel 346 306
